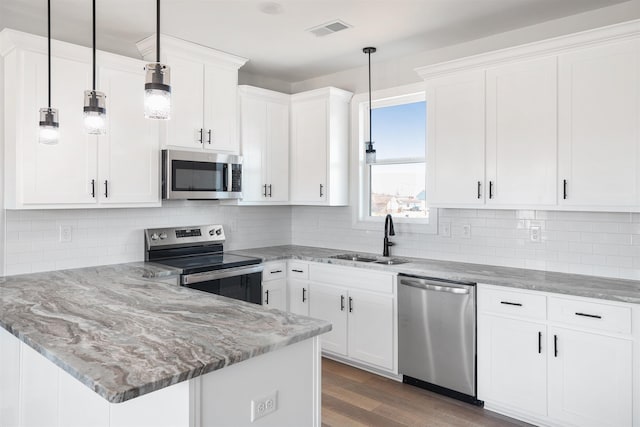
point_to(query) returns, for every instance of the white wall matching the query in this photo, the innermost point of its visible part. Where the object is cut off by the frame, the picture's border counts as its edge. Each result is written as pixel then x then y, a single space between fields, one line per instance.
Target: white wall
pixel 108 236
pixel 600 244
pixel 401 71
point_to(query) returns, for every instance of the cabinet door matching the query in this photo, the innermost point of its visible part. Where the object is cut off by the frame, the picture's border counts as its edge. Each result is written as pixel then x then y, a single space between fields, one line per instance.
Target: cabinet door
pixel 220 109
pixel 298 296
pixel 129 151
pixel 274 294
pixel 456 140
pixel 512 363
pixel 309 133
pixel 278 152
pixel 371 328
pixel 522 133
pixel 253 134
pixel 330 303
pixel 599 116
pixel 62 173
pixel 590 378
pixel 187 103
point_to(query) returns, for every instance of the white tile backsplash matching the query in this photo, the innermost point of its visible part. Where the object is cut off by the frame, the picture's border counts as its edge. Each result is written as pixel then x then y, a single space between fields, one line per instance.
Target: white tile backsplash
pixel 108 236
pixel 594 243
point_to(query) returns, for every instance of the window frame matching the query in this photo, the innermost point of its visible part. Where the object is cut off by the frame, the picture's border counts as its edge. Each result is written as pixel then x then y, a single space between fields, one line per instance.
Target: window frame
pixel 361 178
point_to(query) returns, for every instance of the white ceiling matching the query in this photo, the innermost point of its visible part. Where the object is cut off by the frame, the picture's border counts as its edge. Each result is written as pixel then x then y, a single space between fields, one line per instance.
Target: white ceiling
pixel 277 45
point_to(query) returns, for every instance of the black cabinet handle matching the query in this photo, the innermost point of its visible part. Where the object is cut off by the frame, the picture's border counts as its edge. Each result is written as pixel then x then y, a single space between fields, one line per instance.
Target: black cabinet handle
pixel 297 271
pixel 321 187
pixel 564 189
pixel 539 342
pixel 479 190
pixel 270 191
pixel 264 190
pixel 93 188
pixel 209 136
pixel 304 294
pixel 106 189
pixel 593 316
pixel 267 295
pixel 511 303
pixel 276 271
pixel 491 189
pixel 350 304
pixel 555 346
pixel 341 302
pixel 201 140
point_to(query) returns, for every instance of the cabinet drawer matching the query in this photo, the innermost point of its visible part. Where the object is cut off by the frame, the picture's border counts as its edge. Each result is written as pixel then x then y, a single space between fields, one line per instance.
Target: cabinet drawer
pixel 273 271
pixel 512 303
pixel 298 270
pixel 352 277
pixel 591 315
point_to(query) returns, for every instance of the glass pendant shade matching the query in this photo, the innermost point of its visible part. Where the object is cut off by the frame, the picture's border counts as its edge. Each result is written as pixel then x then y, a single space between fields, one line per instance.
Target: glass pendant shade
pixel 370 153
pixel 157 92
pixel 49 126
pixel 95 112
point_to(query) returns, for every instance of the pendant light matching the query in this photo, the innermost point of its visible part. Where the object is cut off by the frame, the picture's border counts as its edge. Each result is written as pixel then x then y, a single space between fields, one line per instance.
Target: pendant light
pixel 95 112
pixel 157 89
pixel 49 133
pixel 370 152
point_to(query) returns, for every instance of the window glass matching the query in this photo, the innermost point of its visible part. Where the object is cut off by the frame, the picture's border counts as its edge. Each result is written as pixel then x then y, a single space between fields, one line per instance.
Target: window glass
pixel 398 189
pixel 399 131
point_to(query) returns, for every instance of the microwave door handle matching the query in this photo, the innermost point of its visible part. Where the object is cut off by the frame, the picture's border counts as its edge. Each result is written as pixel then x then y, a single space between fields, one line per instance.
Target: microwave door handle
pixel 226 172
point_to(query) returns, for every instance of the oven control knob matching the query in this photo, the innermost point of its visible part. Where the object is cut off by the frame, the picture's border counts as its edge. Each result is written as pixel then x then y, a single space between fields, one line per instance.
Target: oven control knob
pixel 219 231
pixel 163 236
pixel 154 236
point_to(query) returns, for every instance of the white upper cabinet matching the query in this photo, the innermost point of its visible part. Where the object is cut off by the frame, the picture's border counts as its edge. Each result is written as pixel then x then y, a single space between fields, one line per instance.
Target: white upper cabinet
pixel 319 147
pixel 600 127
pixel 117 169
pixel 264 136
pixel 456 140
pixel 522 133
pixel 560 119
pixel 204 107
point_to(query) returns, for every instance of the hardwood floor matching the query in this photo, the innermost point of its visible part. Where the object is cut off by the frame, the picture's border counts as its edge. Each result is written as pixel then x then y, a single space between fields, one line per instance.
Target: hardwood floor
pixel 353 397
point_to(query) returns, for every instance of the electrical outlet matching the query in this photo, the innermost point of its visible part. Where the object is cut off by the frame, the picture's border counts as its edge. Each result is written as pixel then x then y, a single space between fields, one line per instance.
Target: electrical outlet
pixel 466 231
pixel 65 233
pixel 444 230
pixel 264 406
pixel 534 233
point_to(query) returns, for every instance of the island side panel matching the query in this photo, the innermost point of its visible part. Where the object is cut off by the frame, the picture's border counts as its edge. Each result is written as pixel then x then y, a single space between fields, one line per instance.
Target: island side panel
pixel 294 372
pixel 9 379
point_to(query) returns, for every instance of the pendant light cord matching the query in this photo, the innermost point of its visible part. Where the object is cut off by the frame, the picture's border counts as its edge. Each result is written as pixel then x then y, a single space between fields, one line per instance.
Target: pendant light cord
pixel 49 50
pixel 158 31
pixel 369 53
pixel 94 45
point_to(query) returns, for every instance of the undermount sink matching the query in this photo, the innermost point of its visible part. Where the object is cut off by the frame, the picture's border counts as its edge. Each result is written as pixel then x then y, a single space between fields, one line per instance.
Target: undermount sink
pixel 392 261
pixel 352 257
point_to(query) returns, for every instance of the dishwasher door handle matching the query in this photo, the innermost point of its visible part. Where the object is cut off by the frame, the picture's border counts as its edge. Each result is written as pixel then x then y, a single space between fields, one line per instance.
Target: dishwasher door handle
pixel 431 286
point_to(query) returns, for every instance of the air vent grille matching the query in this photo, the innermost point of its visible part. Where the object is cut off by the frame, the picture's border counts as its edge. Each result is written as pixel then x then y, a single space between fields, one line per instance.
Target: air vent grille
pixel 329 28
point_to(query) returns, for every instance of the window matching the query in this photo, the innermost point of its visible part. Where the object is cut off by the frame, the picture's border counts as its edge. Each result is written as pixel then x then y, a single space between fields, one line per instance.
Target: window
pixel 396 183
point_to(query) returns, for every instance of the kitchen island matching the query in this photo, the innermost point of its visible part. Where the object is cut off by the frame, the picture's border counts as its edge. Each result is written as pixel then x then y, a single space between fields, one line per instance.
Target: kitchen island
pixel 116 346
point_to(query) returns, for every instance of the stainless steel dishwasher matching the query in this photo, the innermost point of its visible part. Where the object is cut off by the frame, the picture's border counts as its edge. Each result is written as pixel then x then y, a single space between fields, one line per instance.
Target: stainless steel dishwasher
pixel 437 335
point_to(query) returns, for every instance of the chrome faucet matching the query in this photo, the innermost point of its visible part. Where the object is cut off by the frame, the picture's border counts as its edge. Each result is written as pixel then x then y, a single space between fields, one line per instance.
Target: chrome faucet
pixel 388 231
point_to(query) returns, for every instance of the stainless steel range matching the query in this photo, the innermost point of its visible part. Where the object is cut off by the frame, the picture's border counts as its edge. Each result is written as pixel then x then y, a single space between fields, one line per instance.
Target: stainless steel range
pixel 198 252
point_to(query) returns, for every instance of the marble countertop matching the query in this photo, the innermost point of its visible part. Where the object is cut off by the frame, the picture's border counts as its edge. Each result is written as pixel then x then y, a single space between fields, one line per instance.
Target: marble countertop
pixel 570 284
pixel 123 333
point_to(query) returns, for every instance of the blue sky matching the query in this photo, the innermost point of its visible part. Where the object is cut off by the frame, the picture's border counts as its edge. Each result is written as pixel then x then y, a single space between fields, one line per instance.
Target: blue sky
pixel 399 130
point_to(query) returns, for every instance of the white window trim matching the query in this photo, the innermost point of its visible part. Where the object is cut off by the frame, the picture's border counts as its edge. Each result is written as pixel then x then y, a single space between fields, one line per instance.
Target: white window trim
pixel 360 182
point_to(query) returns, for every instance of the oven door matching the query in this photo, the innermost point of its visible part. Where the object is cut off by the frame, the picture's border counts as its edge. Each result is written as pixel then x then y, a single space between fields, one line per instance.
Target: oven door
pixel 197 175
pixel 242 283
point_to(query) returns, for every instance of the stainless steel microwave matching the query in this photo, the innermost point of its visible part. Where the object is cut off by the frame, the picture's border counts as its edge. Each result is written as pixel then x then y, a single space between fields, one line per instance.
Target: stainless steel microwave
pixel 200 176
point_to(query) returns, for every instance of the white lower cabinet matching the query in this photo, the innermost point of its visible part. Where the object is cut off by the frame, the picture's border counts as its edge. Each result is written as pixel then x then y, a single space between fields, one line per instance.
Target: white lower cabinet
pixel 545 359
pixel 274 286
pixel 360 304
pixel 298 296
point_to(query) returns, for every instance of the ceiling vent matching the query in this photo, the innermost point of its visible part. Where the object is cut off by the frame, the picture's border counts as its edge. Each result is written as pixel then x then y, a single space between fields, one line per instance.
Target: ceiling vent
pixel 329 28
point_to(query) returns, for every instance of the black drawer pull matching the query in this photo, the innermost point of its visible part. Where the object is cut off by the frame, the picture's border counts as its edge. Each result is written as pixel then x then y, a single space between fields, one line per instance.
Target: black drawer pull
pixel 276 271
pixel 511 303
pixel 593 316
pixel 539 342
pixel 297 271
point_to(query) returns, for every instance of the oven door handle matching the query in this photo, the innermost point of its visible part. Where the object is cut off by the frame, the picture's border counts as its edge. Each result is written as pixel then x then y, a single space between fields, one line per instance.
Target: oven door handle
pixel 206 276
